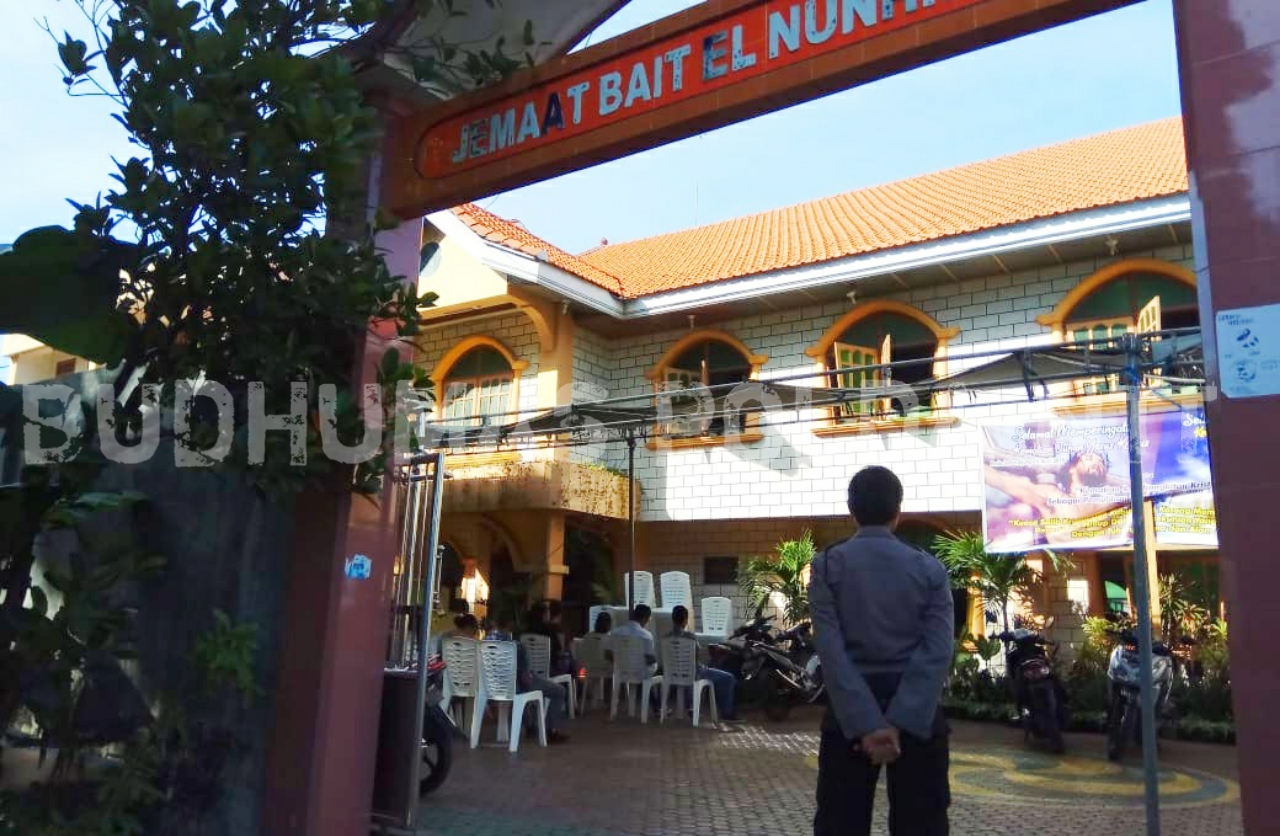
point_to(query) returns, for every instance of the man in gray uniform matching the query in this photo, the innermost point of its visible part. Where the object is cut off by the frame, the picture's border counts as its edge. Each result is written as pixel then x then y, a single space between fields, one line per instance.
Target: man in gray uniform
pixel 883 616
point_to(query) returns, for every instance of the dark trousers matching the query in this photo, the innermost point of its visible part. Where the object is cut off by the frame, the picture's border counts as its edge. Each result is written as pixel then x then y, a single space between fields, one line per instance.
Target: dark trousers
pixel 919 790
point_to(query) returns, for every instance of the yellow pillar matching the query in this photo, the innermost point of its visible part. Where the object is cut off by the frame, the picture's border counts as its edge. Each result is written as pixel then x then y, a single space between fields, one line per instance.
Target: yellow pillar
pixel 1153 563
pixel 555 566
pixel 977 615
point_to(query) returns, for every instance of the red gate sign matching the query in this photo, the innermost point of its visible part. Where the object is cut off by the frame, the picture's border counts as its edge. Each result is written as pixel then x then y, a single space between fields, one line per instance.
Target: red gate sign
pixel 714 64
pixel 730 51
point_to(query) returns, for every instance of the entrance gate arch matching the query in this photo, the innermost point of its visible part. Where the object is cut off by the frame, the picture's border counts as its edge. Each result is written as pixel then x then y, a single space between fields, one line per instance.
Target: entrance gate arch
pixel 744 58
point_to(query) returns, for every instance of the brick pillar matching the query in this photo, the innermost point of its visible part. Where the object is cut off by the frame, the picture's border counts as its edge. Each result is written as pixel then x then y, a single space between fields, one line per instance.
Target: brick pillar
pixel 325 735
pixel 1229 53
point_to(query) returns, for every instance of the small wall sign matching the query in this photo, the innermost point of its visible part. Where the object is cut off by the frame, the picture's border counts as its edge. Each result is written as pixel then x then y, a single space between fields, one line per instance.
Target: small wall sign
pixel 358 567
pixel 1249 351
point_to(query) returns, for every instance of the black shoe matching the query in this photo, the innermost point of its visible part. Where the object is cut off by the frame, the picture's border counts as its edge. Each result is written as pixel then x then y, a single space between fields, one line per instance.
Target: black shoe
pixel 555 738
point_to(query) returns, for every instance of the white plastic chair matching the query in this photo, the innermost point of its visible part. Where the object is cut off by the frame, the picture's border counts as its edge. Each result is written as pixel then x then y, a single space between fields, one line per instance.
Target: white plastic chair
pixel 716 614
pixel 631 668
pixel 596 668
pixel 498 661
pixel 539 650
pixel 644 590
pixel 461 673
pixel 676 590
pixel 680 670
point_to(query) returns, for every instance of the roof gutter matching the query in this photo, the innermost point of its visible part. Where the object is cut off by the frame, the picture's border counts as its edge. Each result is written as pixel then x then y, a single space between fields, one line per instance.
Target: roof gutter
pixel 1073 226
pixel 522 267
pixel 1088 223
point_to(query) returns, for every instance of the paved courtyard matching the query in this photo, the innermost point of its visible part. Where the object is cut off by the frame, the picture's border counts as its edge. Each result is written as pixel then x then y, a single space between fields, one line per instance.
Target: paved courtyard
pixel 624 779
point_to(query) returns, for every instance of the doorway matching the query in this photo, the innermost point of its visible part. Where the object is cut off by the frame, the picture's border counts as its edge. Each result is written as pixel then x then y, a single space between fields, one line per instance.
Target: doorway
pixel 591 579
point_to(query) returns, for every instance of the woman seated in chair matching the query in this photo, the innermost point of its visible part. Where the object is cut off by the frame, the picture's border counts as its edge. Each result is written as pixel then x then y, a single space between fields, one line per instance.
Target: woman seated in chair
pixel 545 620
pixel 465 626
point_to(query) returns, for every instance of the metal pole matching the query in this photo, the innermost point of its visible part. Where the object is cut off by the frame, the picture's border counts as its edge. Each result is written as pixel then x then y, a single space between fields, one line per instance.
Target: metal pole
pixel 410 570
pixel 1142 592
pixel 631 519
pixel 397 656
pixel 428 584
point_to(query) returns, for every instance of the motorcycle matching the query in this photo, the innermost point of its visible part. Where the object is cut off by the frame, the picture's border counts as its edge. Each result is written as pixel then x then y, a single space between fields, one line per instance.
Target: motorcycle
pixel 1039 695
pixel 730 654
pixel 1124 690
pixel 768 674
pixel 438 730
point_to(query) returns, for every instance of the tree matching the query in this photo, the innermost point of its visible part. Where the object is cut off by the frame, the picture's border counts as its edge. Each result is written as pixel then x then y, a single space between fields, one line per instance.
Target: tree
pixel 997 578
pixel 237 245
pixel 784 575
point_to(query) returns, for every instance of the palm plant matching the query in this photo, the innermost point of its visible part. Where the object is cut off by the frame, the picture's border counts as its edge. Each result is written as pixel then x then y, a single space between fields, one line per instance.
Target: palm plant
pixel 1180 608
pixel 997 578
pixel 783 575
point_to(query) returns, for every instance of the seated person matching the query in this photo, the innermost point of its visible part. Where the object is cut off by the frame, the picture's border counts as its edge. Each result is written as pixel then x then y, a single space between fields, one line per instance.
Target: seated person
pixel 722 682
pixel 555 695
pixel 545 620
pixel 604 623
pixel 465 626
pixel 500 630
pixel 637 627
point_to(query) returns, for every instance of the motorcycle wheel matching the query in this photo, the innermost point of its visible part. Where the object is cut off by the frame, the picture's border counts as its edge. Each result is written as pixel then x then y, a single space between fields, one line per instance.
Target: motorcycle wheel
pixel 437 751
pixel 1118 732
pixel 1053 735
pixel 777 702
pixel 1051 723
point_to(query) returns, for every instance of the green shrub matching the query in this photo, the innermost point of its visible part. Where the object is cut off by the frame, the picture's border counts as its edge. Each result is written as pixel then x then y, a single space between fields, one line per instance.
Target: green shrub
pixel 1208 699
pixel 1095 651
pixel 1086 689
pixel 1212 652
pixel 1206 731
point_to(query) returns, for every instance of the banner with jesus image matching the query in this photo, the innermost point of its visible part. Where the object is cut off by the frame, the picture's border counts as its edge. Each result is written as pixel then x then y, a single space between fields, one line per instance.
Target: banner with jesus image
pixel 1062 483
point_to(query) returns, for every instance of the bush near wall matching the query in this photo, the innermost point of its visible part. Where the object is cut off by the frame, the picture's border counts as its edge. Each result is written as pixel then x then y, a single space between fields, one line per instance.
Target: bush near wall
pixel 1200 706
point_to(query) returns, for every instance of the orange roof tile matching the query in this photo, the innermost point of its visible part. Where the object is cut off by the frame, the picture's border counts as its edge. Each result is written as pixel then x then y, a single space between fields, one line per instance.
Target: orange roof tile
pixel 1139 163
pixel 514 236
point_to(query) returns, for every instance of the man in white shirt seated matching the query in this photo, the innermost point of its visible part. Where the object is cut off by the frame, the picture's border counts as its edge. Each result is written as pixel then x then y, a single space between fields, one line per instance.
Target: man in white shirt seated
pixel 638 627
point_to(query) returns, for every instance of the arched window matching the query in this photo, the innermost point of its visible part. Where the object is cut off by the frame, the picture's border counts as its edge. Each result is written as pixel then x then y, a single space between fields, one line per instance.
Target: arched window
pixel 1134 302
pixel 872 336
pixel 478 387
pixel 705 359
pixel 1133 296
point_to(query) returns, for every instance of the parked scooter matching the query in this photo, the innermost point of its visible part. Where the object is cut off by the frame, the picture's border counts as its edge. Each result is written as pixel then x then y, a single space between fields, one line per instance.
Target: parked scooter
pixel 1039 695
pixel 438 730
pixel 1124 687
pixel 775 670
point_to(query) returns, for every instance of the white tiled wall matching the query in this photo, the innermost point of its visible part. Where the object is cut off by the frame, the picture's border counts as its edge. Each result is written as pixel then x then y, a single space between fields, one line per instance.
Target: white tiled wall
pixel 794 473
pixel 791 472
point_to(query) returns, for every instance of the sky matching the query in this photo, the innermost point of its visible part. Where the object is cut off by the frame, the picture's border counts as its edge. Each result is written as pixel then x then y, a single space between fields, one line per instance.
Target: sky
pixel 1103 73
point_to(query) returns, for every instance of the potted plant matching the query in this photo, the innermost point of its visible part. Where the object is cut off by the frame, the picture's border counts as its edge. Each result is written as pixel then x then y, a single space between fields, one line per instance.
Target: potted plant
pixel 997 578
pixel 782 579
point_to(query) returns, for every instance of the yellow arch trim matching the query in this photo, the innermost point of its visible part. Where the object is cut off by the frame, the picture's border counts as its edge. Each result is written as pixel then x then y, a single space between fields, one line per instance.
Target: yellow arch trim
pixel 1056 318
pixel 500 532
pixel 453 355
pixel 700 336
pixel 878 306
